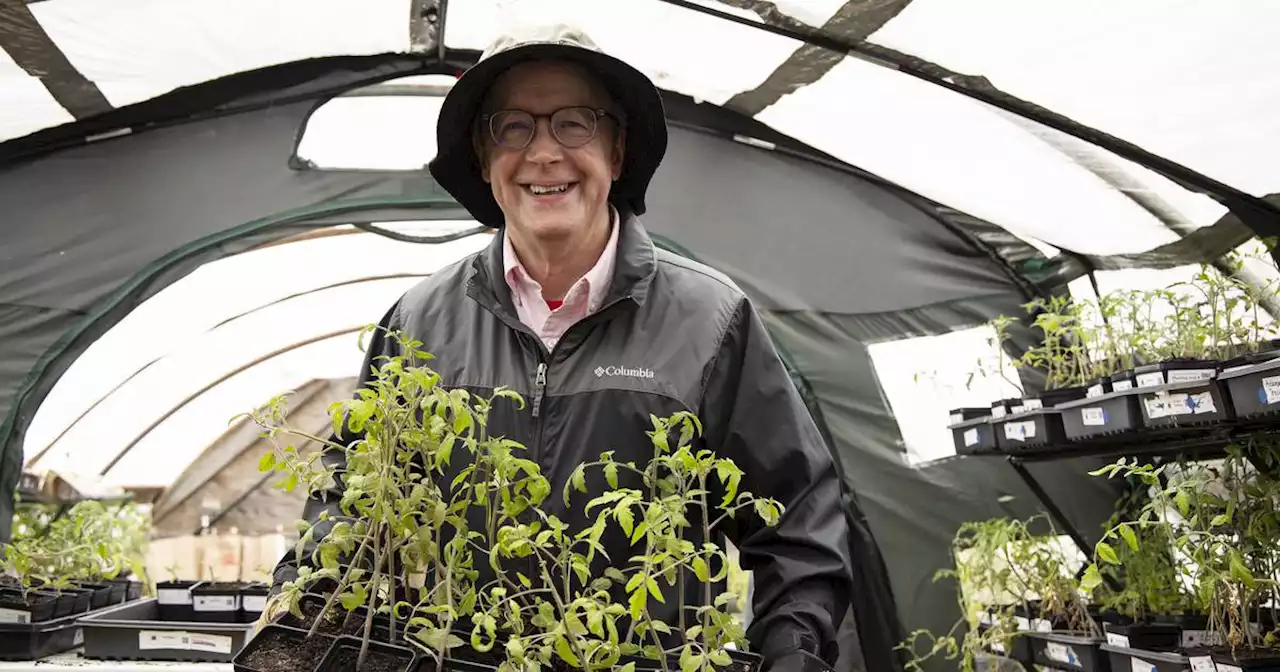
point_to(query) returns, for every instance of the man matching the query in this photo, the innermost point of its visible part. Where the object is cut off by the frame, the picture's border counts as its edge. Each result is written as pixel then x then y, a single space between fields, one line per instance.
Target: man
pixel 554 143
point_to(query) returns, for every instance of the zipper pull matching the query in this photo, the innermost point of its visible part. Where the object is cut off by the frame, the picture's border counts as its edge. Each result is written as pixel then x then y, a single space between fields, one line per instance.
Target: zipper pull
pixel 539 384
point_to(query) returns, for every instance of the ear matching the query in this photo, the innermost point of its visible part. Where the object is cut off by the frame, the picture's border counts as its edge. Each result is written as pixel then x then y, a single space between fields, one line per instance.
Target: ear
pixel 619 152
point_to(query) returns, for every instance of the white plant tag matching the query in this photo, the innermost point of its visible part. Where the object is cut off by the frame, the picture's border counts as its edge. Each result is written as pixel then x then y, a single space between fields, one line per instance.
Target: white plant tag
pixel 1201 403
pixel 1223 667
pixel 1189 375
pixel 1023 624
pixel 255 602
pixel 1032 404
pixel 1157 406
pixel 998 647
pixel 173 596
pixel 1140 665
pixel 1151 379
pixel 200 641
pixel 956 418
pixel 1271 389
pixel 15 616
pixel 1196 638
pixel 1116 639
pixel 217 602
pixel 1041 625
pixel 1093 417
pixel 1020 431
pixel 1060 653
pixel 997 411
pixel 971 436
pixel 149 640
pixel 1121 385
pixel 1094 391
pixel 1202 664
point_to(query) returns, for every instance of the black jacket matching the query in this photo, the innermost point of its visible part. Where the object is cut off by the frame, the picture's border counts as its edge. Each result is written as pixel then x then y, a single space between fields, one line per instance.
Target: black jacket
pixel 671 335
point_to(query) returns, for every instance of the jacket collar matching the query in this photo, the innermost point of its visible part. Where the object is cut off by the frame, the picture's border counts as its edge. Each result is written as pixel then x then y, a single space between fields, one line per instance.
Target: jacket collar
pixel 633 271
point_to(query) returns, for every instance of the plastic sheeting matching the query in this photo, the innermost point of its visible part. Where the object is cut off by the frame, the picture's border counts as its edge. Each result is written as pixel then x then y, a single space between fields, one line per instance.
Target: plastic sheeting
pixel 221 317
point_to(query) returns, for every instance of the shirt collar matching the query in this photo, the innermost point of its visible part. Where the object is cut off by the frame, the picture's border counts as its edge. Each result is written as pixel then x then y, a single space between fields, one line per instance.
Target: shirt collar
pixel 597 279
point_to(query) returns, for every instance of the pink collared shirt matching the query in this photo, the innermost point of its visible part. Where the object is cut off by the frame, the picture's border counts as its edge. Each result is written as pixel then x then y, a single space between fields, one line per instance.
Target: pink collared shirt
pixel 582 299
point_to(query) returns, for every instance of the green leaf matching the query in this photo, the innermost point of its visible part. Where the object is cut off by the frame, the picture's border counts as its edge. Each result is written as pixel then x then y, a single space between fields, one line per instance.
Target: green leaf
pixel 1107 553
pixel 267 462
pixel 654 590
pixel 566 652
pixel 611 474
pixel 700 569
pixel 524 580
pixel 720 657
pixel 1183 502
pixel 1091 579
pixel 1239 571
pixel 1220 519
pixel 1129 537
pixel 638 600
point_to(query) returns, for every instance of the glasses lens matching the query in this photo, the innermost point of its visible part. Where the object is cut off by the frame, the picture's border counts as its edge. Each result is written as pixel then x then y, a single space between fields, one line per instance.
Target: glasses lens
pixel 511 128
pixel 574 126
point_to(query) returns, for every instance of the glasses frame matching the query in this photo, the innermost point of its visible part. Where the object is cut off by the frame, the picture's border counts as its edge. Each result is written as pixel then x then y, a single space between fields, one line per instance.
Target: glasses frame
pixel 596 112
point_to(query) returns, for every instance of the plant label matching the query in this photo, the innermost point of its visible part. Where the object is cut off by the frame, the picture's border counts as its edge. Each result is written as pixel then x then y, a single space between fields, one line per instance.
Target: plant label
pixel 15 616
pixel 254 602
pixel 1150 379
pixel 217 602
pixel 998 647
pixel 1121 385
pixel 1189 375
pixel 178 640
pixel 1270 390
pixel 173 596
pixel 1140 665
pixel 1023 624
pixel 971 436
pixel 1032 404
pixel 1223 667
pixel 1094 391
pixel 1061 653
pixel 1093 417
pixel 1041 625
pixel 957 418
pixel 1116 639
pixel 1202 664
pixel 1020 431
pixel 998 411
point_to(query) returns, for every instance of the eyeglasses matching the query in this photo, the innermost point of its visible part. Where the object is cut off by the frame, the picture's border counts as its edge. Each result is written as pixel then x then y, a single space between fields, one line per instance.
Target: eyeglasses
pixel 570 126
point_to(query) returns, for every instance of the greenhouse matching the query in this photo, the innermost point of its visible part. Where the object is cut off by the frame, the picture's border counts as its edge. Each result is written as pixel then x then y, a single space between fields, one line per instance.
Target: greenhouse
pixel 1017 258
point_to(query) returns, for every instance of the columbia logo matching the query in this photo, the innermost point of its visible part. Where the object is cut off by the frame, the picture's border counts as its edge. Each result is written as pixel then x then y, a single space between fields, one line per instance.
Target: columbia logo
pixel 602 371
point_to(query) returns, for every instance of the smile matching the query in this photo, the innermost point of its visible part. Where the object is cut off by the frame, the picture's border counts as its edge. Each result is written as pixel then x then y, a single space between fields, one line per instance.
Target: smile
pixel 549 189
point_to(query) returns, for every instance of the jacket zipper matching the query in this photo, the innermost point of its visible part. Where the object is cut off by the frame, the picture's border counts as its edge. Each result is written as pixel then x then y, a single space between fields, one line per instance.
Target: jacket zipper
pixel 539 386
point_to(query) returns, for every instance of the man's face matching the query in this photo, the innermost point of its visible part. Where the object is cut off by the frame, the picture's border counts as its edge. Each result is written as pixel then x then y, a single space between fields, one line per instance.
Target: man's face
pixel 525 181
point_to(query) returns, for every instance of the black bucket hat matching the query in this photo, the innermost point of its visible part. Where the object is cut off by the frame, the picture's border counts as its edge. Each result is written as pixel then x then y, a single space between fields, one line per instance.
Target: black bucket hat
pixel 456 167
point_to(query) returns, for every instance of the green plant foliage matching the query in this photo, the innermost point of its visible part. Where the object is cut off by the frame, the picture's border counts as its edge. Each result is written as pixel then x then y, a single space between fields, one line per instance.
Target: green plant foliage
pixel 91 541
pixel 407 514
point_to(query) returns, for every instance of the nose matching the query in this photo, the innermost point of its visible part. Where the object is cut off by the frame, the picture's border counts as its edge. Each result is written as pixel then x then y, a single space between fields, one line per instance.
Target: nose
pixel 543 148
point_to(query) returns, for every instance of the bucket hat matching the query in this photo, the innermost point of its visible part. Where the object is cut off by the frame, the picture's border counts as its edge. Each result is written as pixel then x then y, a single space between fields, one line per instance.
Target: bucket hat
pixel 456 166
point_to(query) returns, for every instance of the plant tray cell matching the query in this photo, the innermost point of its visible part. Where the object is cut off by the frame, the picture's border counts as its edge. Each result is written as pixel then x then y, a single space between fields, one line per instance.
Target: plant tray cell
pixel 1181 404
pixel 382 657
pixel 216 602
pixel 1112 413
pixel 38 606
pixel 1145 636
pixel 1258 660
pixel 1175 371
pixel 1066 651
pixel 276 648
pixel 134 631
pixel 974 436
pixel 1029 429
pixel 1124 659
pixel 173 599
pixel 32 641
pixel 1254 388
pixel 253 601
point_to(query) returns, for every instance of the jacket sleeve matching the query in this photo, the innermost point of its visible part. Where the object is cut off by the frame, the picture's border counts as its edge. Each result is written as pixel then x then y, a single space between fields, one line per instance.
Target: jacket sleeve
pixel 378 345
pixel 753 414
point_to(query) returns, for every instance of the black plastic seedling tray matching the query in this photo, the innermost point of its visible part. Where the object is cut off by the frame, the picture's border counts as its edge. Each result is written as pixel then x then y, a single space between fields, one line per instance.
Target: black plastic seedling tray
pixel 32 641
pixel 1124 659
pixel 134 631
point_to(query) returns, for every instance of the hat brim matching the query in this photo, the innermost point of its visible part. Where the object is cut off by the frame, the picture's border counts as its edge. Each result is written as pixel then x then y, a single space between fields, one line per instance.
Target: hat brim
pixel 456 167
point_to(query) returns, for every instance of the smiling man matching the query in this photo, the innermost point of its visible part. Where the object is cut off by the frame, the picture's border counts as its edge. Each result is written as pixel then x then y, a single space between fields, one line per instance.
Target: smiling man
pixel 554 143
